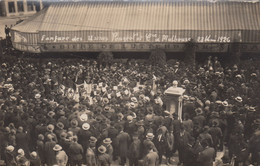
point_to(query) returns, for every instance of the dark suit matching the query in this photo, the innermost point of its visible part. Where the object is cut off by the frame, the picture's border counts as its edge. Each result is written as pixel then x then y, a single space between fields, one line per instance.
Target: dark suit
pixel 22 140
pixel 123 142
pixel 134 152
pixel 104 160
pixel 49 153
pixel 75 153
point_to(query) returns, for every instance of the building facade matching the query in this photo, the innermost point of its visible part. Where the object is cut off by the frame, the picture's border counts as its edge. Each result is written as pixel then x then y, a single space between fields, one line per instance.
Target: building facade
pixel 20 7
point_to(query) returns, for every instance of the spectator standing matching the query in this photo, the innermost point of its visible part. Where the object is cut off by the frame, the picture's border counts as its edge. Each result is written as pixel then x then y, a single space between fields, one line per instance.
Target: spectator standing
pixel 103 158
pixel 75 152
pixel 152 158
pixel 207 156
pixel 61 156
pixel 123 139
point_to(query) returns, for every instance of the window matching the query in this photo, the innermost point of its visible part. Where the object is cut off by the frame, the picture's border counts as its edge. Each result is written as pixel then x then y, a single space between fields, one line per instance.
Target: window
pixel 29 6
pixel 20 6
pixel 11 7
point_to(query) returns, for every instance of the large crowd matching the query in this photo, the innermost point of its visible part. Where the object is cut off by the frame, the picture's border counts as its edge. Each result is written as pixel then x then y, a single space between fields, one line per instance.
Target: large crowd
pixel 77 111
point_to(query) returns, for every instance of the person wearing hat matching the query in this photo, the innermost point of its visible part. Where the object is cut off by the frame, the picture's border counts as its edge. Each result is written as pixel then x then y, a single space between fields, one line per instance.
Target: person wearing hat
pixel 112 133
pixel 134 152
pixel 50 131
pixel 130 125
pixel 123 140
pixel 59 129
pixel 75 152
pixel 91 152
pixel 22 140
pixel 40 148
pixel 9 156
pixel 151 158
pixel 49 153
pixel 34 159
pixel 216 135
pixel 109 148
pixel 21 160
pixel 206 136
pixel 147 143
pixel 206 157
pixel 103 158
pixel 74 127
pixel 199 120
pixel 61 156
pixel 140 129
pixel 83 135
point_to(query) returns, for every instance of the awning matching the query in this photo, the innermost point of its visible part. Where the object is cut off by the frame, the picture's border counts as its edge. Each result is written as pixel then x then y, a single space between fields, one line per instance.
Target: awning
pixel 148 22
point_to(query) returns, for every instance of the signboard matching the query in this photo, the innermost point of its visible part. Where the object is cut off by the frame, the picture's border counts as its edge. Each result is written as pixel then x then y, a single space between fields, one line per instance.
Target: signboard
pixel 139 36
pixel 173 47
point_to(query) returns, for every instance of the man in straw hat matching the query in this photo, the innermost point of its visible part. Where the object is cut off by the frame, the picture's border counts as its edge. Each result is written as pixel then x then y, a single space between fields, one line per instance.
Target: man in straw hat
pixel 91 152
pixel 61 156
pixel 83 135
pixel 34 159
pixel 109 148
pixel 103 158
pixel 9 156
pixel 147 143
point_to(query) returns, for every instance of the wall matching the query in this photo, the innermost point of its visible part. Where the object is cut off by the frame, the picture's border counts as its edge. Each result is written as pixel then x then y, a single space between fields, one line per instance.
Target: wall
pixel 25 12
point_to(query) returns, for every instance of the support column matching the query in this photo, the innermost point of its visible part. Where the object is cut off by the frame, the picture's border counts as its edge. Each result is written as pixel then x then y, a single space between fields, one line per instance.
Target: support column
pixel 25 6
pixel 6 8
pixel 41 5
pixel 16 7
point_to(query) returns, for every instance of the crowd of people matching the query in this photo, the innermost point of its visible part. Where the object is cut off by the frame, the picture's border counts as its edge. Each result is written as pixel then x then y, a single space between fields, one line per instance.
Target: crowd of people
pixel 77 111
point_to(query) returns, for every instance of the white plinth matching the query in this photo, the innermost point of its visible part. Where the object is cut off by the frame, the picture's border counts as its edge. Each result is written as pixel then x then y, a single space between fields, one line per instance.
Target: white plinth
pixel 174 103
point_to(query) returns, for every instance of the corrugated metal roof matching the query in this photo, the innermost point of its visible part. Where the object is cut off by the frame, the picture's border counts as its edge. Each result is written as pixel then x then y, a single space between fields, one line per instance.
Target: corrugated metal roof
pixel 32 24
pixel 152 16
pixel 132 21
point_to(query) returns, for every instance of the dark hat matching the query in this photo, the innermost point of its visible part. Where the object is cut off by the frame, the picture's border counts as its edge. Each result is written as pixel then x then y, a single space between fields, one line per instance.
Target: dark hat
pixel 60 125
pixel 74 123
pixel 198 111
pixel 41 137
pixel 92 139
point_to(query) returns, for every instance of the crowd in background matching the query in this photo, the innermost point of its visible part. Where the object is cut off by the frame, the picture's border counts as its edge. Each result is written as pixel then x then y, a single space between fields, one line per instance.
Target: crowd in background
pixel 76 111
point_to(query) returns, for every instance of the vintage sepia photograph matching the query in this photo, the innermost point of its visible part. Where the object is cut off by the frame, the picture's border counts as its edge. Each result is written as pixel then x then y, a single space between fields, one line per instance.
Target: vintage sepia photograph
pixel 129 82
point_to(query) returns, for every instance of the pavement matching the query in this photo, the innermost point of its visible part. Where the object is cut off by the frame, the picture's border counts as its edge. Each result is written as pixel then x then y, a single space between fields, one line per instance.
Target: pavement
pixel 8 21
